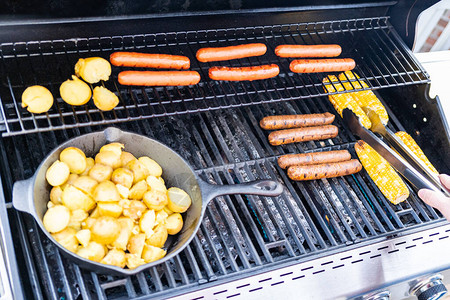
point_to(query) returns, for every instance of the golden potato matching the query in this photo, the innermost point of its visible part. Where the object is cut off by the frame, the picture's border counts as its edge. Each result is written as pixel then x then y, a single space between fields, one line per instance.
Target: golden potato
pixel 108 158
pixel 133 261
pixel 86 184
pixel 100 172
pixel 95 213
pixel 105 230
pixel 55 195
pixel 93 69
pixel 72 178
pixel 77 217
pixel 83 236
pixel 89 164
pixel 75 199
pixel 179 200
pixel 136 244
pixel 155 200
pixel 147 221
pixel 93 251
pixel 56 218
pixel 75 91
pixel 126 157
pixel 159 236
pixel 88 223
pixel 104 99
pixel 50 204
pixel 134 210
pixel 115 257
pixel 151 253
pixel 67 239
pixel 126 225
pixel 58 173
pixel 161 217
pixel 152 166
pixel 155 184
pixel 174 223
pixel 106 191
pixel 111 209
pixel 139 170
pixel 167 210
pixel 123 176
pixel 138 190
pixel 37 99
pixel 114 147
pixel 123 191
pixel 74 158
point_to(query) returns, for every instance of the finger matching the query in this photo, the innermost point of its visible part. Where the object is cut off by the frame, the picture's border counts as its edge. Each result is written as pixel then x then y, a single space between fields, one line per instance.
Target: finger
pixel 436 200
pixel 445 180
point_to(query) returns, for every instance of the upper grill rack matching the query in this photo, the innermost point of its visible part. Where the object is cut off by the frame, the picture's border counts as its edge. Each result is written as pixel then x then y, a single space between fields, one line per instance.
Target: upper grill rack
pixel 382 61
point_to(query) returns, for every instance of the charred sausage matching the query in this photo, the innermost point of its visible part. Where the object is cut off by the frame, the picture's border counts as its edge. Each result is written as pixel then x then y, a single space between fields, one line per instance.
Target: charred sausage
pixel 149 60
pixel 230 52
pixel 244 73
pixel 314 158
pixel 294 121
pixel 308 50
pixel 304 134
pixel 322 65
pixel 159 78
pixel 329 170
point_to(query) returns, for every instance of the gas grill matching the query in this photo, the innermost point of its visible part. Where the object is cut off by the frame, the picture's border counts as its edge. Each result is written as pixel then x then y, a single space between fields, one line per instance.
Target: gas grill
pixel 321 239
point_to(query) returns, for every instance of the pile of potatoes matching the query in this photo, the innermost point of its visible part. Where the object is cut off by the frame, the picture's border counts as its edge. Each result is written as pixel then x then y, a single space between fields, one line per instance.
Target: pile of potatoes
pixel 113 209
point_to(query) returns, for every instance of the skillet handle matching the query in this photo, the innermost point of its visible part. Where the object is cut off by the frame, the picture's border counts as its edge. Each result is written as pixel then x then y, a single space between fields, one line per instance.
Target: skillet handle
pixel 258 187
pixel 22 195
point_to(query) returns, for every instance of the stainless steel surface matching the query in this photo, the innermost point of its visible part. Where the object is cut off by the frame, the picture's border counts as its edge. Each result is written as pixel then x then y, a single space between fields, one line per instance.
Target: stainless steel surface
pixel 383 295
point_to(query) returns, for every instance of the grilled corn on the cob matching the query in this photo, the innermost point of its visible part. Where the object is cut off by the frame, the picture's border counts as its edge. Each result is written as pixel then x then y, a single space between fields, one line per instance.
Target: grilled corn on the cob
pixel 381 172
pixel 412 145
pixel 341 101
pixel 364 98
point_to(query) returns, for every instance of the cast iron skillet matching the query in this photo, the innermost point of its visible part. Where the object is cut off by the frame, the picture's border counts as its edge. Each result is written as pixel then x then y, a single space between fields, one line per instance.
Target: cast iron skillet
pixel 31 195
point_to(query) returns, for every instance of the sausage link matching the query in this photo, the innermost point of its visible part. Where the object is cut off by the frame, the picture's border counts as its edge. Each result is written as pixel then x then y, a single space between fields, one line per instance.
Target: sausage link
pixel 294 121
pixel 159 78
pixel 230 52
pixel 304 134
pixel 329 170
pixel 244 73
pixel 149 60
pixel 313 158
pixel 308 50
pixel 322 65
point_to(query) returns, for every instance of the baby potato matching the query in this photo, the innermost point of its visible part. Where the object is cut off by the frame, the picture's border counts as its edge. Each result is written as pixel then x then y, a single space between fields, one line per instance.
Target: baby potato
pixel 93 251
pixel 88 223
pixel 37 99
pixel 147 221
pixel 159 236
pixel 104 99
pixel 83 236
pixel 151 253
pixel 123 177
pixel 126 225
pixel 106 191
pixel 155 184
pixel 152 166
pixel 167 210
pixel 179 200
pixel 133 261
pixel 50 204
pixel 126 157
pixel 57 173
pixel 75 199
pixel 56 218
pixel 93 69
pixel 136 244
pixel 155 200
pixel 100 172
pixel 123 191
pixel 108 158
pixel 138 190
pixel 114 147
pixel 77 217
pixel 67 239
pixel 74 158
pixel 89 164
pixel 75 91
pixel 95 213
pixel 105 230
pixel 161 217
pixel 115 257
pixel 86 184
pixel 55 195
pixel 111 209
pixel 72 178
pixel 174 223
pixel 139 170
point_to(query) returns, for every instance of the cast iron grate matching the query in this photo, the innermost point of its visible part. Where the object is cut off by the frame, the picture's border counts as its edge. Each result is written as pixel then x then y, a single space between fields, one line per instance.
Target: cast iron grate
pixel 382 61
pixel 240 235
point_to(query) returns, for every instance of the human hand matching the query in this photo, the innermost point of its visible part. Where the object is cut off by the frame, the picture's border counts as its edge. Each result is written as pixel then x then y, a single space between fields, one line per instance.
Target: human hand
pixel 438 200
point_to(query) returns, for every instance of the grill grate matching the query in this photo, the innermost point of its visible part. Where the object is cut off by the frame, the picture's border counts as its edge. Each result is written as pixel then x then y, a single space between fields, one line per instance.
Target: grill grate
pixel 382 60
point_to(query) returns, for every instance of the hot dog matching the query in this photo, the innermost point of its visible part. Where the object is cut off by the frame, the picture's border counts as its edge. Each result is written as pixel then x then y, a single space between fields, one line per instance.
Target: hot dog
pixel 314 158
pixel 328 170
pixel 322 65
pixel 148 60
pixel 230 52
pixel 244 73
pixel 308 50
pixel 287 136
pixel 294 121
pixel 159 78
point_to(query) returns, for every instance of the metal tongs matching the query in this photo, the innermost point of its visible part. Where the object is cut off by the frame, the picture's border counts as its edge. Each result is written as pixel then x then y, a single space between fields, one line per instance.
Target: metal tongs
pixel 402 159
